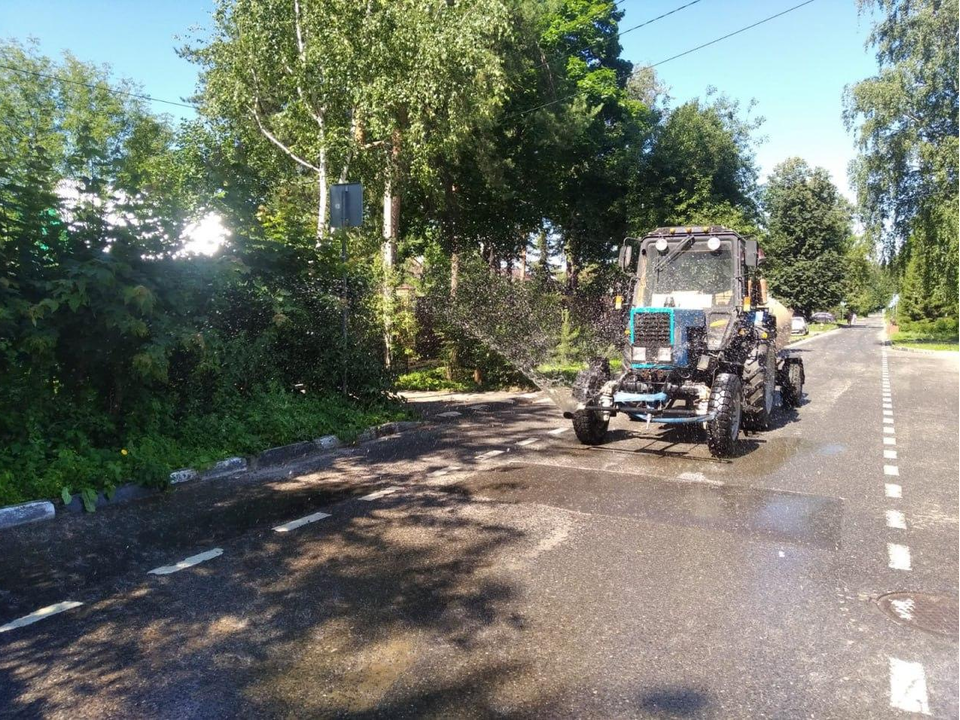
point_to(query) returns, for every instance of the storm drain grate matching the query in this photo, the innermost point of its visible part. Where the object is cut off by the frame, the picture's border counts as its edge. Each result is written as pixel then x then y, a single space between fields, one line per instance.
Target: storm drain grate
pixel 935 614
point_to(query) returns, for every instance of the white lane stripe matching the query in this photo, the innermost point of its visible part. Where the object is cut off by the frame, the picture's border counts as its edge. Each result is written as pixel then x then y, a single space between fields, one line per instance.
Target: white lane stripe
pixel 898 556
pixel 444 471
pixel 889 441
pixel 896 519
pixel 379 494
pixel 40 614
pixel 891 470
pixel 908 687
pixel 888 406
pixel 890 454
pixel 889 430
pixel 892 490
pixel 489 454
pixel 528 441
pixel 888 421
pixel 557 431
pixel 300 522
pixel 187 562
pixel 887 411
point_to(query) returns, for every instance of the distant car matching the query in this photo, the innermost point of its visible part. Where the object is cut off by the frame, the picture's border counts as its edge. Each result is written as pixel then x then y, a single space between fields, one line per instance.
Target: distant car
pixel 798 326
pixel 823 317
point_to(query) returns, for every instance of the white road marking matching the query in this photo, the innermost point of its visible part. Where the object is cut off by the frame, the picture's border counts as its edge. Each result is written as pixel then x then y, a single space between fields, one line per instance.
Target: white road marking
pixel 889 441
pixel 528 396
pixel 300 522
pixel 187 562
pixel 903 608
pixel 887 411
pixel 896 520
pixel 908 687
pixel 889 430
pixel 489 454
pixel 888 406
pixel 898 556
pixel 892 490
pixel 449 413
pixel 40 614
pixel 891 470
pixel 528 441
pixel 376 495
pixel 698 477
pixel 890 454
pixel 557 431
pixel 444 471
pixel 888 421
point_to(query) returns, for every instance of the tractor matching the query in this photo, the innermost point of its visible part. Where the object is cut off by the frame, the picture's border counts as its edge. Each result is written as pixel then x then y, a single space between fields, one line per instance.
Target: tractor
pixel 704 345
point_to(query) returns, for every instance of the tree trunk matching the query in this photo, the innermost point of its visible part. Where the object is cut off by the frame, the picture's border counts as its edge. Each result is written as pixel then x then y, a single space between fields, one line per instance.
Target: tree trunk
pixel 391 221
pixel 523 262
pixel 573 270
pixel 323 214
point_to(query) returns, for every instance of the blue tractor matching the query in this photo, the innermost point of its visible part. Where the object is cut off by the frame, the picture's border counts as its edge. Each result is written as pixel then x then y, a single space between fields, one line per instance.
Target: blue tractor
pixel 702 342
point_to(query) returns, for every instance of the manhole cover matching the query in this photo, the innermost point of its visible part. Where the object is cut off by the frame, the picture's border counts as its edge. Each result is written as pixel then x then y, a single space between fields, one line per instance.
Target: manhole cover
pixel 931 613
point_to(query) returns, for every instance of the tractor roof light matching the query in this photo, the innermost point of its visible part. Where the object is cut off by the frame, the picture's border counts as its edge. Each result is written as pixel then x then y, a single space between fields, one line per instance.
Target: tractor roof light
pixel 661 245
pixel 713 244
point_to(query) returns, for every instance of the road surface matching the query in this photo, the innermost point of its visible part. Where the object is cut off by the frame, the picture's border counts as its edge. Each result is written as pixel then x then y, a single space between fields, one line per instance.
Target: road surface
pixel 490 566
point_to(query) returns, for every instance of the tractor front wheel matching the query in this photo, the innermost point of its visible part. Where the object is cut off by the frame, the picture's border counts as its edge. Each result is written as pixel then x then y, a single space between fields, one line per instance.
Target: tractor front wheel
pixel 759 385
pixel 791 391
pixel 590 426
pixel 727 409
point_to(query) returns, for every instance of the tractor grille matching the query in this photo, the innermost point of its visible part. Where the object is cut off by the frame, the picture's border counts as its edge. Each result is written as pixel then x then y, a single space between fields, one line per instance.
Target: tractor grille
pixel 651 330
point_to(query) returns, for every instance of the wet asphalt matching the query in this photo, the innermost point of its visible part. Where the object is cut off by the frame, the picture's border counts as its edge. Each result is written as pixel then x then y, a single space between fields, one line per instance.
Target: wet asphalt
pixel 488 578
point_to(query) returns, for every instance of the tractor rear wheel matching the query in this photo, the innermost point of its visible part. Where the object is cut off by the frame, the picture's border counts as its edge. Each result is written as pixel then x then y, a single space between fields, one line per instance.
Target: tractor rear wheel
pixel 759 385
pixel 791 391
pixel 726 408
pixel 590 426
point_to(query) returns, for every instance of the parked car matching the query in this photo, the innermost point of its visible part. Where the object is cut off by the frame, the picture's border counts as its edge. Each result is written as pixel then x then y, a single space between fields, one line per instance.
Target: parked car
pixel 798 326
pixel 822 317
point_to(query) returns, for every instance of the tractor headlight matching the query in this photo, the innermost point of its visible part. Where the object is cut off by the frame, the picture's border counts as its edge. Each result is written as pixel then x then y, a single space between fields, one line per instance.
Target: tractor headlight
pixel 664 354
pixel 639 354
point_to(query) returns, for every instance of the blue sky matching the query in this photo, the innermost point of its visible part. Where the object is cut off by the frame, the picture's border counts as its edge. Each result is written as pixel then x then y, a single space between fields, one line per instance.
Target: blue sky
pixel 795 66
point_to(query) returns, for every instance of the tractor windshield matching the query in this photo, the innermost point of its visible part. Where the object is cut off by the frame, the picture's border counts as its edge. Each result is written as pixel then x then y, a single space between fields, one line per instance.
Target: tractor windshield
pixel 686 274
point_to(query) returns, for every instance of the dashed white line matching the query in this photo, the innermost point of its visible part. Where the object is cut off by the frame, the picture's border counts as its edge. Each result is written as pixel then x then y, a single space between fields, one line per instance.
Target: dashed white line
pixel 187 562
pixel 888 406
pixel 908 687
pixel 40 614
pixel 887 411
pixel 489 454
pixel 888 421
pixel 890 454
pixel 896 520
pixel 898 556
pixel 379 494
pixel 892 490
pixel 889 441
pixel 528 441
pixel 891 470
pixel 557 431
pixel 300 522
pixel 889 430
pixel 445 471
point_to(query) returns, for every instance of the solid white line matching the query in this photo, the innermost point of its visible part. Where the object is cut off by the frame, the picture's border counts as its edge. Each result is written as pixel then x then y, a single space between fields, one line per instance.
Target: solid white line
pixel 891 470
pixel 908 687
pixel 896 519
pixel 557 431
pixel 889 430
pixel 379 494
pixel 889 441
pixel 898 556
pixel 890 454
pixel 40 614
pixel 528 441
pixel 892 490
pixel 187 562
pixel 306 520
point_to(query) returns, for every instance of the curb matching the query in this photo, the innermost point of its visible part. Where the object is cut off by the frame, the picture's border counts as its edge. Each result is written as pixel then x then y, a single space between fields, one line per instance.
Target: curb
pixel 40 510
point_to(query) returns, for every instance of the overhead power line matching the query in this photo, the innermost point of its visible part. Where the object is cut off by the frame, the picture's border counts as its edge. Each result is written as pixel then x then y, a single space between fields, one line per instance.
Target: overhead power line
pixel 735 32
pixel 679 55
pixel 115 91
pixel 658 17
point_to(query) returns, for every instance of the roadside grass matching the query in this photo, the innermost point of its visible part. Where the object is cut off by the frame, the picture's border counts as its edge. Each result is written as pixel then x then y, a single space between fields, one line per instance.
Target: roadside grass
pixel 926 335
pixel 98 453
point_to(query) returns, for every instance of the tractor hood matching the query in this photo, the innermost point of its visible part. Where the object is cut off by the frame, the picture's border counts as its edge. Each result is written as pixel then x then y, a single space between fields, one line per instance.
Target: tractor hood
pixel 665 338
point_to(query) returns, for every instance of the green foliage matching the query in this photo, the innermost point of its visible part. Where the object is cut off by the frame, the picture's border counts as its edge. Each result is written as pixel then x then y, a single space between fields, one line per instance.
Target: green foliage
pixel 809 229
pixel 433 379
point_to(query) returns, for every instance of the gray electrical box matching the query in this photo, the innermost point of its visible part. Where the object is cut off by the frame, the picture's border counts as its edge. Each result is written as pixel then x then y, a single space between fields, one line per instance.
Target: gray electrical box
pixel 346 205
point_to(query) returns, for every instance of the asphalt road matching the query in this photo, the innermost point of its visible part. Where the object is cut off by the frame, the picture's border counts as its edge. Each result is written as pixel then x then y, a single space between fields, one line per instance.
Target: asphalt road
pixel 490 566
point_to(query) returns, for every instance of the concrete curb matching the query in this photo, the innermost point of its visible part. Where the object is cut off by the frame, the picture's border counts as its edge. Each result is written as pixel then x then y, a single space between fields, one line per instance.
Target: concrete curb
pixel 28 512
pixel 15 515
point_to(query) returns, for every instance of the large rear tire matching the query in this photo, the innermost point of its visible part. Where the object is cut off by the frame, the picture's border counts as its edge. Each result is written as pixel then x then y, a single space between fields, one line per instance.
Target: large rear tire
pixel 759 386
pixel 590 426
pixel 726 407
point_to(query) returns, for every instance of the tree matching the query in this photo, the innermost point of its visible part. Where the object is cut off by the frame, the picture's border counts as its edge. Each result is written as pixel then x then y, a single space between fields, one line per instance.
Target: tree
pixel 809 226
